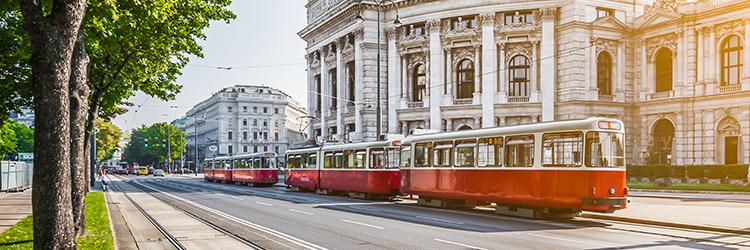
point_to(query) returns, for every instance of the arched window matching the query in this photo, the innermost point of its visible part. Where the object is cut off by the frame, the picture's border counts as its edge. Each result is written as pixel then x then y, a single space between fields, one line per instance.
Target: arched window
pixel 731 60
pixel 418 83
pixel 663 70
pixel 518 76
pixel 465 77
pixel 663 136
pixel 604 73
pixel 463 127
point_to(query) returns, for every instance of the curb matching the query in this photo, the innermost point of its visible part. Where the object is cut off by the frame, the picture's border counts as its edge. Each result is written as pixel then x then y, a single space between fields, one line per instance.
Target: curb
pixel 688 191
pixel 666 224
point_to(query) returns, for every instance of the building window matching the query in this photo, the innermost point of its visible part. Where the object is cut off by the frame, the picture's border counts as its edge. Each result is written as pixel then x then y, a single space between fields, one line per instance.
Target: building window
pixel 350 83
pixel 276 149
pixel 229 109
pixel 731 60
pixel 518 76
pixel 604 12
pixel 255 109
pixel 317 93
pixel 244 135
pixel 229 135
pixel 663 136
pixel 265 148
pixel 229 149
pixel 255 122
pixel 244 109
pixel 465 77
pixel 418 83
pixel 334 87
pixel 265 123
pixel 604 73
pixel 519 17
pixel 244 148
pixel 265 136
pixel 255 149
pixel 276 136
pixel 244 122
pixel 276 111
pixel 265 110
pixel 663 70
pixel 255 135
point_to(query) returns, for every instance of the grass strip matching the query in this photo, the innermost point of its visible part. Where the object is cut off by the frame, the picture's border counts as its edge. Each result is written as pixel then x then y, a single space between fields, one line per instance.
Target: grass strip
pixel 690 187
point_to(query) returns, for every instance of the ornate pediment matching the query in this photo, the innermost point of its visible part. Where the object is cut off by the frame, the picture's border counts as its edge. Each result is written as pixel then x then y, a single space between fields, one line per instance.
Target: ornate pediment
pixel 664 41
pixel 610 22
pixel 731 27
pixel 416 58
pixel 661 11
pixel 729 126
pixel 513 49
pixel 606 45
pixel 459 54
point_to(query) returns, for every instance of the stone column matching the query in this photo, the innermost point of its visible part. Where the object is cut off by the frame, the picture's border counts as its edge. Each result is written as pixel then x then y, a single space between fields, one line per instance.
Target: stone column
pixel 701 56
pixel 593 89
pixel 310 95
pixel 449 125
pixel 677 73
pixel 711 63
pixel 340 87
pixel 645 85
pixel 358 80
pixel 589 74
pixel 620 89
pixel 547 64
pixel 502 73
pixel 489 67
pixel 436 73
pixel 404 79
pixel 534 73
pixel 746 58
pixel 451 82
pixel 323 93
pixel 394 78
pixel 477 74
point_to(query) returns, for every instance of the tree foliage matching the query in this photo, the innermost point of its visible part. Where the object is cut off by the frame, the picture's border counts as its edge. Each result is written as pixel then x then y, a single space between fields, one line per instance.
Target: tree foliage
pixel 153 143
pixel 107 139
pixel 15 138
pixel 15 52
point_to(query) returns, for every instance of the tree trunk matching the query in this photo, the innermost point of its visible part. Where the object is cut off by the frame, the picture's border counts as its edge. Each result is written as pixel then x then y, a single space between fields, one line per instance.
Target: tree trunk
pixel 52 41
pixel 79 93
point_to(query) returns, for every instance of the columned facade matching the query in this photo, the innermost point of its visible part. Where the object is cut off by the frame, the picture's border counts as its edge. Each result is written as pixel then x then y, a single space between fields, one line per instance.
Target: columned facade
pixel 467 65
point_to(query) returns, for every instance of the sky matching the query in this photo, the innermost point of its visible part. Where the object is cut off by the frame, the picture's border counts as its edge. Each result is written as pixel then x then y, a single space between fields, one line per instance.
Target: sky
pixel 261 46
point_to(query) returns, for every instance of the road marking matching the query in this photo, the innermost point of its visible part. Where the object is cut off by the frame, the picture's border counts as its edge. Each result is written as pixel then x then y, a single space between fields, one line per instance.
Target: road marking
pixel 236 198
pixel 263 203
pixel 352 204
pixel 300 211
pixel 440 220
pixel 292 239
pixel 563 239
pixel 362 224
pixel 365 209
pixel 459 244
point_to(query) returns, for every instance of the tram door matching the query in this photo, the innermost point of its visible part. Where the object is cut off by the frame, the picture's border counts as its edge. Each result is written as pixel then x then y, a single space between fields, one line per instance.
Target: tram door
pixel 730 150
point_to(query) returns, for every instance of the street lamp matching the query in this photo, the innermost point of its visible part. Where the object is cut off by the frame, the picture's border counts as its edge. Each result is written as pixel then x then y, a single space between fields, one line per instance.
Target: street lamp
pixel 359 19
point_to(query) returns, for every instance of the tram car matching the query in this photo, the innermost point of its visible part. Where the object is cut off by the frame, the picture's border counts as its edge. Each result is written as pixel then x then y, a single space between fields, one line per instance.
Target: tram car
pixel 258 169
pixel 551 169
pixel 362 170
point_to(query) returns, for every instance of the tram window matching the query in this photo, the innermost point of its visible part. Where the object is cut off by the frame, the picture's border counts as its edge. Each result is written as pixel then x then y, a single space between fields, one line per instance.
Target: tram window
pixel 360 159
pixel 227 164
pixel 256 163
pixel 465 153
pixel 405 156
pixel 489 152
pixel 291 161
pixel 377 158
pixel 328 160
pixel 348 159
pixel 392 158
pixel 442 154
pixel 562 149
pixel 312 161
pixel 605 149
pixel 422 152
pixel 519 151
pixel 263 162
pixel 338 158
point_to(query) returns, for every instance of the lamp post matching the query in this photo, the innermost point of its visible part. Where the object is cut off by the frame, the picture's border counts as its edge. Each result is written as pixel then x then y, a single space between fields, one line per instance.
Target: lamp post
pixel 397 23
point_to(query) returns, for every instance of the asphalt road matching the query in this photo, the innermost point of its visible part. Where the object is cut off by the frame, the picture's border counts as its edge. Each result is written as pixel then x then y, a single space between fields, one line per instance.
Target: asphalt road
pixel 275 218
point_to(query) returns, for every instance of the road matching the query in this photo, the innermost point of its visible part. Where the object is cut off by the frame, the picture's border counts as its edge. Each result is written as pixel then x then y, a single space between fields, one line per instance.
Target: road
pixel 274 218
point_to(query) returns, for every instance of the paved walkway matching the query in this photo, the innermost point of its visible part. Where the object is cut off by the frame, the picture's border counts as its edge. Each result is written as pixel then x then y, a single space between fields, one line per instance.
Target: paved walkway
pixel 13 208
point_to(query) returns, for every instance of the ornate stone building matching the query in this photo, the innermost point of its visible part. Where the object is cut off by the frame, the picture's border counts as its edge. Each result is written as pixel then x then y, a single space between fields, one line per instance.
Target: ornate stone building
pixel 671 70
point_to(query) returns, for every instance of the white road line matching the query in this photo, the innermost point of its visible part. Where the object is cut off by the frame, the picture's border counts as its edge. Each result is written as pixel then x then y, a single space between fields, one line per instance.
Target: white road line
pixel 459 244
pixel 365 209
pixel 362 224
pixel 300 211
pixel 289 238
pixel 440 220
pixel 263 203
pixel 569 240
pixel 236 198
pixel 352 204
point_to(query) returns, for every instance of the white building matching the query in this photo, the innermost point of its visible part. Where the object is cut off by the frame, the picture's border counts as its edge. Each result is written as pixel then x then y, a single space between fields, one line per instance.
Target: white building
pixel 673 71
pixel 243 119
pixel 25 117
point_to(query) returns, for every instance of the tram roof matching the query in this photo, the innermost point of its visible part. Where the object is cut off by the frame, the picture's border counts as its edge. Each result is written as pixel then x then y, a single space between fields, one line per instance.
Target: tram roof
pixel 580 124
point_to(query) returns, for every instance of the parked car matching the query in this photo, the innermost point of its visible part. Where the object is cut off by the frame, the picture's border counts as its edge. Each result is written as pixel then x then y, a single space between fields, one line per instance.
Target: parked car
pixel 131 170
pixel 141 171
pixel 150 170
pixel 187 171
pixel 159 172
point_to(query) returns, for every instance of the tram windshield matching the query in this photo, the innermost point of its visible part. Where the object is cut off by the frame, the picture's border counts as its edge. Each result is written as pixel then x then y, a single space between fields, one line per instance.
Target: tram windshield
pixel 605 149
pixel 405 156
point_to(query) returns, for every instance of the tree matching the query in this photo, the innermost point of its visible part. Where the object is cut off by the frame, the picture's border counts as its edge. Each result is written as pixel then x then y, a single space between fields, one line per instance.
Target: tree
pixel 155 144
pixel 53 36
pixel 8 139
pixel 15 52
pixel 25 136
pixel 107 138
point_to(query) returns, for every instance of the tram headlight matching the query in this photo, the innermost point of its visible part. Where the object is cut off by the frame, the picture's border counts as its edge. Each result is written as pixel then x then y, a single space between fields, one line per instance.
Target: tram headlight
pixel 611 190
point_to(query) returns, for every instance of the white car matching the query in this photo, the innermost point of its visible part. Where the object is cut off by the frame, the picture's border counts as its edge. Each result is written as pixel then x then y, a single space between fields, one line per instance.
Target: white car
pixel 159 172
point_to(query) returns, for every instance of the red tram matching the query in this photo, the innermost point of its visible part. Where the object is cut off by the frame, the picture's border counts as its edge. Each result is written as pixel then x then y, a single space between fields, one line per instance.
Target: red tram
pixel 364 170
pixel 538 170
pixel 259 169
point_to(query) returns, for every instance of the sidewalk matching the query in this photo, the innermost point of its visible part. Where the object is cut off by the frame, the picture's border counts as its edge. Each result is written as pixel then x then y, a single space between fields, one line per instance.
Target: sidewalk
pixel 692 213
pixel 13 208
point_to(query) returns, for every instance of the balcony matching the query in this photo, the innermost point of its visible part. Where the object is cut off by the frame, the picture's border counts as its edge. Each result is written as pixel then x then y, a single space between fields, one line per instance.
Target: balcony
pixel 413 105
pixel 518 98
pixel 464 101
pixel 606 98
pixel 730 88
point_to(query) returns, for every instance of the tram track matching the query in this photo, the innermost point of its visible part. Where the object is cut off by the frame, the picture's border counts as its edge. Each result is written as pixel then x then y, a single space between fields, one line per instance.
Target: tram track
pixel 171 238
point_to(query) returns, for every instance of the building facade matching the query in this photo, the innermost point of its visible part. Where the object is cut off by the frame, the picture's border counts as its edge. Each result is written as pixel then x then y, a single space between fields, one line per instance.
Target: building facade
pixel 243 119
pixel 671 70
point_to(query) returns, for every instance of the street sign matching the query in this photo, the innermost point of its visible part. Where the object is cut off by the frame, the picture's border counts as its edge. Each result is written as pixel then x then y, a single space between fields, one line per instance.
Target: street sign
pixel 213 148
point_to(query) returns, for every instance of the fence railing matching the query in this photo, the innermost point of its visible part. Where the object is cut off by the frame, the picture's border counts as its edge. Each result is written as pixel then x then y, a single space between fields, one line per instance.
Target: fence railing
pixel 15 176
